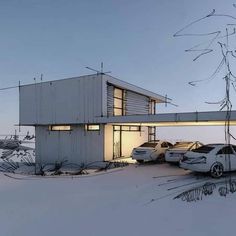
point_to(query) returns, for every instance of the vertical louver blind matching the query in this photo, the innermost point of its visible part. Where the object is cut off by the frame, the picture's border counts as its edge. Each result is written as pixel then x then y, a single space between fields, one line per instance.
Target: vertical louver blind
pixel 135 103
pixel 110 100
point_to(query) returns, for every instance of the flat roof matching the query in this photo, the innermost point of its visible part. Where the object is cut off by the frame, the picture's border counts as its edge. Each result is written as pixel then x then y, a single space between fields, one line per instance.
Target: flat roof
pixel 208 118
pixel 205 118
pixel 117 82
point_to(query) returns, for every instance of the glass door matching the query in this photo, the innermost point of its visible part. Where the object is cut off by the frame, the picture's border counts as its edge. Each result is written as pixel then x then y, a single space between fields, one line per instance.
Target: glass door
pixel 116 141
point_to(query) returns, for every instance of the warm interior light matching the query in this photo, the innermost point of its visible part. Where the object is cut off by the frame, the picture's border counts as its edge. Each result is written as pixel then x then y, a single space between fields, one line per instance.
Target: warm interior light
pixel 93 127
pixel 184 123
pixel 60 127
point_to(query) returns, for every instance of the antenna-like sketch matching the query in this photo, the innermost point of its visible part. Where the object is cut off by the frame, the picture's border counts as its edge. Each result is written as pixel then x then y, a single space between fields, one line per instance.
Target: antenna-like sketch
pixel 97 71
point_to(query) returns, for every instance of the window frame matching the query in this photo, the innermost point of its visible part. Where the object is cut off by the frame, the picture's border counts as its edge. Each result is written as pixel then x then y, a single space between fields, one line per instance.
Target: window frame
pixel 51 128
pixel 127 128
pixel 234 148
pixel 220 151
pixel 121 100
pixel 89 128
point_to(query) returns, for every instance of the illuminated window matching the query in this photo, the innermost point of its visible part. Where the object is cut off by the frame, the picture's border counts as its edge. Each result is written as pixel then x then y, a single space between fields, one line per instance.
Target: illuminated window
pixel 60 128
pixel 93 127
pixel 135 128
pixel 126 128
pixel 117 127
pixel 117 112
pixel 119 102
pixel 118 93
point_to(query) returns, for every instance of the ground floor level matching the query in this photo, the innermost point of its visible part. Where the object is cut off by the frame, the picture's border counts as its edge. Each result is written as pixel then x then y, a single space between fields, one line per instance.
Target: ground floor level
pixel 84 144
pixel 113 137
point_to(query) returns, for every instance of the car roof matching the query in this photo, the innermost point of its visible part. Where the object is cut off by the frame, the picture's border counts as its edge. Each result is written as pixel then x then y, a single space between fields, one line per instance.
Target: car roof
pixel 216 144
pixel 187 142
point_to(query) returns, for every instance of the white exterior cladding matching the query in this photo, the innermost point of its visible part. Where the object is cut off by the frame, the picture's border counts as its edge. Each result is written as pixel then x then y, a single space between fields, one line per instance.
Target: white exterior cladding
pixel 75 146
pixel 77 102
pixel 68 101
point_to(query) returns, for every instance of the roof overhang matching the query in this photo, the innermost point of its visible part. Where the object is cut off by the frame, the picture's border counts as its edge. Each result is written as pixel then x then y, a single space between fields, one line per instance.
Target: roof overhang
pixel 210 118
pixel 128 86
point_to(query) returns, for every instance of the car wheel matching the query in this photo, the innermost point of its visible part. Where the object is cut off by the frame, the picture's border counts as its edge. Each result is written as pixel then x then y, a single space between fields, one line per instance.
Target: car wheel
pixel 217 170
pixel 139 161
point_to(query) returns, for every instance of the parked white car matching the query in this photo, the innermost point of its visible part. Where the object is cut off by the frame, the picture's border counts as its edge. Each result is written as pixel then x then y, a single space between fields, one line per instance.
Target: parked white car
pixel 212 158
pixel 151 151
pixel 176 153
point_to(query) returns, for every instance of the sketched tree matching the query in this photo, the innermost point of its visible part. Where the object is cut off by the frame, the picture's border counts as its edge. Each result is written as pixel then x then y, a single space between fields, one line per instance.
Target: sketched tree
pixel 220 42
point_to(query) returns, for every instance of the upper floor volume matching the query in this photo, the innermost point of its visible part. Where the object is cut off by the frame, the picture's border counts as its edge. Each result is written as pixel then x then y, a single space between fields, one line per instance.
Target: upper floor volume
pixel 84 99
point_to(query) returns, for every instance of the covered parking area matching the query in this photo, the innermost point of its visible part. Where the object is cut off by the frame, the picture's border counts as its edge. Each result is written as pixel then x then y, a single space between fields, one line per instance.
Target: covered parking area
pixel 206 118
pixel 187 119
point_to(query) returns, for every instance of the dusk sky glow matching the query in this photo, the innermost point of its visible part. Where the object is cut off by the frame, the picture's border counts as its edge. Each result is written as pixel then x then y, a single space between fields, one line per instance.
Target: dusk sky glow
pixel 133 38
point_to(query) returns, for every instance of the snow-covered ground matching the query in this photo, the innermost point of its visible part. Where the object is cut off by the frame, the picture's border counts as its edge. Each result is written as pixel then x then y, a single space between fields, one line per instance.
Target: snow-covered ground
pixel 134 200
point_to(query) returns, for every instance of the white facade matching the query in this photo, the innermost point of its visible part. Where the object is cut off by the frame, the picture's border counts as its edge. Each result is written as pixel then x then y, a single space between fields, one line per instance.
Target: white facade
pixel 71 101
pixel 75 146
pixel 74 104
pixel 78 100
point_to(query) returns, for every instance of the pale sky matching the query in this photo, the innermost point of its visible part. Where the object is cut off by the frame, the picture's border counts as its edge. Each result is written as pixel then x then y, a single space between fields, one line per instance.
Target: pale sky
pixel 133 38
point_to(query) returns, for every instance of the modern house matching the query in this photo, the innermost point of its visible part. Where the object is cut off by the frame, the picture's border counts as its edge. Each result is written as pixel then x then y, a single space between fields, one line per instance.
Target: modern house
pixel 67 115
pixel 98 118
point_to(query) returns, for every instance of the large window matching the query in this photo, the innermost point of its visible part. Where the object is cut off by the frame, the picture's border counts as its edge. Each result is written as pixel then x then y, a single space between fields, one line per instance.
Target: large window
pixel 60 127
pixel 119 102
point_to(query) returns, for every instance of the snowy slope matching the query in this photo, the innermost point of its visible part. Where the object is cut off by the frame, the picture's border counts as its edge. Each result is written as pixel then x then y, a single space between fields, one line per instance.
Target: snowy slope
pixel 117 202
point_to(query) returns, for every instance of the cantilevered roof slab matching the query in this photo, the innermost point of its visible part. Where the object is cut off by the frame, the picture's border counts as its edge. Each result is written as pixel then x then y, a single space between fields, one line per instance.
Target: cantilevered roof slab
pixel 128 86
pixel 210 118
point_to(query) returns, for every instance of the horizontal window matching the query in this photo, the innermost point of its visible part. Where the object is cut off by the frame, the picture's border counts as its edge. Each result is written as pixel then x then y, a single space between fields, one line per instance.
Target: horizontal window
pixel 127 128
pixel 135 128
pixel 93 127
pixel 116 127
pixel 60 127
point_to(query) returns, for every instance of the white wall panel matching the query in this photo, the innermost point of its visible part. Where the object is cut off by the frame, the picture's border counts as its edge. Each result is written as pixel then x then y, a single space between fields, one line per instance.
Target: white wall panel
pixel 76 100
pixel 77 146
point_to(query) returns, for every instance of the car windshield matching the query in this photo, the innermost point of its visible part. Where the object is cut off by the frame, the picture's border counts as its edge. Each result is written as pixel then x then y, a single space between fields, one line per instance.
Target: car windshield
pixel 203 149
pixel 182 145
pixel 149 144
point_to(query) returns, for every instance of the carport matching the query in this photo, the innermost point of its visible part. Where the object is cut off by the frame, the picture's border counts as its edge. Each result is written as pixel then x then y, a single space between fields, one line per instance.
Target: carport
pixel 187 119
pixel 206 118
